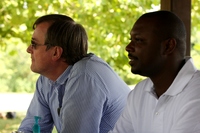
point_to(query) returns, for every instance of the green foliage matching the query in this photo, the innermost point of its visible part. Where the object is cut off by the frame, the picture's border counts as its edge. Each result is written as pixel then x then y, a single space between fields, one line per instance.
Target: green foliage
pixel 15 74
pixel 108 23
pixel 195 32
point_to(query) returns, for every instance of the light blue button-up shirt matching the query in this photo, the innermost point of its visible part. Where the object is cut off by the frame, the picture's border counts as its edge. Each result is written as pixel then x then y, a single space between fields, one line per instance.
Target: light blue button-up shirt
pixel 94 97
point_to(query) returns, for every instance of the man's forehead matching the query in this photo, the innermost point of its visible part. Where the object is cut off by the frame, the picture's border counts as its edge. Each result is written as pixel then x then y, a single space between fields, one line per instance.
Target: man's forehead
pixel 138 27
pixel 144 24
pixel 42 27
pixel 40 32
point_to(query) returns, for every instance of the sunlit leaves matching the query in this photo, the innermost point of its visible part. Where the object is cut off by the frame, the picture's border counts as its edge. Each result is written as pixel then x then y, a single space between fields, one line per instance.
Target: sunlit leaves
pixel 107 22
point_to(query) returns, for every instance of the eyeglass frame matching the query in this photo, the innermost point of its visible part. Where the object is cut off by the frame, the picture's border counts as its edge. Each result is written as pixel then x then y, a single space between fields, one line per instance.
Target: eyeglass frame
pixel 34 45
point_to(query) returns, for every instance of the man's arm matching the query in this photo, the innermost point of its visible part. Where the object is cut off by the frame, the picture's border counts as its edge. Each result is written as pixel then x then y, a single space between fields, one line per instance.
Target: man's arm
pixel 37 107
pixel 124 124
pixel 83 103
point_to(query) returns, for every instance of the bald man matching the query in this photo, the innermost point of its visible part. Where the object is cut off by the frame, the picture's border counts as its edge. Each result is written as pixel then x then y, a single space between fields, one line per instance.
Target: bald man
pixel 168 100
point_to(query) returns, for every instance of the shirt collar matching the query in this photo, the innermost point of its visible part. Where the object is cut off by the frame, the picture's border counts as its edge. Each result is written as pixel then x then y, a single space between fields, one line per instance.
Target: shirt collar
pixel 62 78
pixel 183 77
pixel 181 80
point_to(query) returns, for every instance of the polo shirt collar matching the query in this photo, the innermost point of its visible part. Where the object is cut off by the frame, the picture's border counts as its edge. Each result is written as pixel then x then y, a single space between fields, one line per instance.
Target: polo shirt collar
pixel 182 79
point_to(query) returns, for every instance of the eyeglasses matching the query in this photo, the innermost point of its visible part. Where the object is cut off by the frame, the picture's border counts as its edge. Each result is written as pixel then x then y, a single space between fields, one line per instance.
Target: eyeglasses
pixel 34 45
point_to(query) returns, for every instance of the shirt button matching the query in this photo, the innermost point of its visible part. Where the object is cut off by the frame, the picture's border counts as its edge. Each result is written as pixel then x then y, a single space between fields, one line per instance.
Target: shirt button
pixel 157 113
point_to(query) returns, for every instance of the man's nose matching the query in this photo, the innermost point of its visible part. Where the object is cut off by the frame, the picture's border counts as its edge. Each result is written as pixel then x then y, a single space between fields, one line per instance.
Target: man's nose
pixel 29 49
pixel 130 46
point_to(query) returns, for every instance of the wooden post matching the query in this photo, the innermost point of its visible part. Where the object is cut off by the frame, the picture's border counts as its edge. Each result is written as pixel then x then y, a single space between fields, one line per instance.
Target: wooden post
pixel 181 8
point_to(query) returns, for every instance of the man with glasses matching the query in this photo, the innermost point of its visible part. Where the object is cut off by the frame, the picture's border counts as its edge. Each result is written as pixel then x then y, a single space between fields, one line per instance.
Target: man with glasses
pixel 76 91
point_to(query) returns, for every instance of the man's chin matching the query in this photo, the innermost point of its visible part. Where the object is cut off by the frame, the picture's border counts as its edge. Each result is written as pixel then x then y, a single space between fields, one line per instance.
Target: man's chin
pixel 135 71
pixel 33 69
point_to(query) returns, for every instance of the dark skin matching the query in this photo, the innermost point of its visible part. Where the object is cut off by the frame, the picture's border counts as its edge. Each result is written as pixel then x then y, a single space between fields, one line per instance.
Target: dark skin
pixel 153 55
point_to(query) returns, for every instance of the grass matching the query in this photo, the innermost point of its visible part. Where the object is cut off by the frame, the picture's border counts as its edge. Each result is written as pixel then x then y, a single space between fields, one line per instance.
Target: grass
pixel 10 125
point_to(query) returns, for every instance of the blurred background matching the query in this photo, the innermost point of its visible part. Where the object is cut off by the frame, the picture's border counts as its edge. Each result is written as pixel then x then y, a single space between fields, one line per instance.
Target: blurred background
pixel 108 23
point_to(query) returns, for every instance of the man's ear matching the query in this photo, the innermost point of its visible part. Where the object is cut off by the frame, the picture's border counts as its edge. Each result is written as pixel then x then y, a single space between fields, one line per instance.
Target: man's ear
pixel 57 52
pixel 169 46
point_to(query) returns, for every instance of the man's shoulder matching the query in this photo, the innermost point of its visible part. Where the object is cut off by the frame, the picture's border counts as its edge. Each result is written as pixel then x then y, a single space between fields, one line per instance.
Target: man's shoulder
pixel 145 84
pixel 90 62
